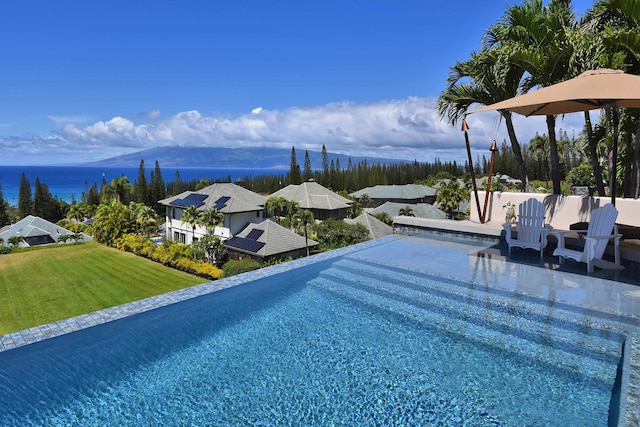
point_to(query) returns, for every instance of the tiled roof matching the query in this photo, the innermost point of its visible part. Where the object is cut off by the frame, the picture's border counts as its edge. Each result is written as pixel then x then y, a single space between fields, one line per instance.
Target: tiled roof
pixel 408 191
pixel 311 195
pixel 34 226
pixel 376 227
pixel 420 210
pixel 275 238
pixel 239 199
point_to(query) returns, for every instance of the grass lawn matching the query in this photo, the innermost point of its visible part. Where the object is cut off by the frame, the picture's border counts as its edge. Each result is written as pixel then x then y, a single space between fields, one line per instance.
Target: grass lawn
pixel 50 283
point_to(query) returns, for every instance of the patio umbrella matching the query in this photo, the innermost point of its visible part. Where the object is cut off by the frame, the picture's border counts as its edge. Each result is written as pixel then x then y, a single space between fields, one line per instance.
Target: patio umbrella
pixel 594 89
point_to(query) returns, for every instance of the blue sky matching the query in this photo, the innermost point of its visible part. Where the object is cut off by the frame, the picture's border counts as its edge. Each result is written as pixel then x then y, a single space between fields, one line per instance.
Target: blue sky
pixel 87 80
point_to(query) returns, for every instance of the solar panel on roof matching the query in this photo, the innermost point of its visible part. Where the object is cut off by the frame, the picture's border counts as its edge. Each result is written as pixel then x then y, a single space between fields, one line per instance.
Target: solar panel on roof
pixel 196 196
pixel 221 202
pixel 245 244
pixel 254 234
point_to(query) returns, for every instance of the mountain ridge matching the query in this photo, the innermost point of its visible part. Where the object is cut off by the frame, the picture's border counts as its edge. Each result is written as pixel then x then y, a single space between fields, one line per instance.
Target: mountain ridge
pixel 210 157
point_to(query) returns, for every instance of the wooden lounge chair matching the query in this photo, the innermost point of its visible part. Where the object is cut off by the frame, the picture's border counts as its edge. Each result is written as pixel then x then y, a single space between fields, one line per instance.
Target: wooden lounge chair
pixel 602 228
pixel 531 232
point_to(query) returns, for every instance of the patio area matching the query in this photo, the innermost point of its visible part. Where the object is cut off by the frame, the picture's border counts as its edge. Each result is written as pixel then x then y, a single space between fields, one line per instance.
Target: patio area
pixel 629 249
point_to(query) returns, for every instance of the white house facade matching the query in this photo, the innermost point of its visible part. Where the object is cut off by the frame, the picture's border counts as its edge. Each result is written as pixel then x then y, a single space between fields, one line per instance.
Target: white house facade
pixel 238 206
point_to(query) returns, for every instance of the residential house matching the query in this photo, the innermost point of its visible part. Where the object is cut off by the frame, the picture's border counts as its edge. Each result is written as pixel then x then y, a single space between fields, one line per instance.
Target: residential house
pixel 407 194
pixel 37 231
pixel 376 227
pixel 323 202
pixel 238 205
pixel 268 240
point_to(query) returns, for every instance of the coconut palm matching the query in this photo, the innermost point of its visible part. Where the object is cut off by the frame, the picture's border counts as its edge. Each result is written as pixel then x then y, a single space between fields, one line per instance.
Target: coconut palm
pixel 210 219
pixel 484 79
pixel 406 211
pixel 145 217
pixel 191 216
pixel 450 195
pixel 275 207
pixel 537 38
pixel 111 221
pixel 15 240
pixel 304 218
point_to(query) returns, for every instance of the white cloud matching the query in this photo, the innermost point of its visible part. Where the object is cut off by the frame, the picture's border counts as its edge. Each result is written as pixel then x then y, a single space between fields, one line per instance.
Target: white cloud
pixel 405 129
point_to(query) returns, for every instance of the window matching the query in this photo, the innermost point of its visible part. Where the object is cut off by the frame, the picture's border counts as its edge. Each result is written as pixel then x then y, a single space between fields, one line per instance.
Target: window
pixel 183 238
pixel 176 236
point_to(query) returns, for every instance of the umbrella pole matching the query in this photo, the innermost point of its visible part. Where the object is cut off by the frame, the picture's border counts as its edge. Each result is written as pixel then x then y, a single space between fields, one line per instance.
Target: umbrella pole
pixel 465 128
pixel 614 172
pixel 493 149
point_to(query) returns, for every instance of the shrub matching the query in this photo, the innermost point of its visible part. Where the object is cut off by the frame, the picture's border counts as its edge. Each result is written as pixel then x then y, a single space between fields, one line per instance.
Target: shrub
pixel 237 266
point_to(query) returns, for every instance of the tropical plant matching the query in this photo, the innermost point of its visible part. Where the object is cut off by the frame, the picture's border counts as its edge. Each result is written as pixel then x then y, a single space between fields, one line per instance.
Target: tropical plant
pixel 406 211
pixel 111 221
pixel 145 217
pixel 450 195
pixel 120 188
pixel 191 216
pixel 304 218
pixel 384 217
pixel 537 38
pixel 486 78
pixel 210 219
pixel 15 240
pixel 334 234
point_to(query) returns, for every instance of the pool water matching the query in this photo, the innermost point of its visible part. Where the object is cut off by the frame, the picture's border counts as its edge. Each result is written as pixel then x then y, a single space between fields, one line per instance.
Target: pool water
pixel 344 341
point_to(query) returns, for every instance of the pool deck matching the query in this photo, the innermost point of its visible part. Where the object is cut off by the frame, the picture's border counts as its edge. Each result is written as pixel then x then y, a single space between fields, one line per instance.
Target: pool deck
pixel 620 291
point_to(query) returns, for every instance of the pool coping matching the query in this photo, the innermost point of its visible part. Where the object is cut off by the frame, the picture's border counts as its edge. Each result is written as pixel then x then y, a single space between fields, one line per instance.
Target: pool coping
pixel 629 408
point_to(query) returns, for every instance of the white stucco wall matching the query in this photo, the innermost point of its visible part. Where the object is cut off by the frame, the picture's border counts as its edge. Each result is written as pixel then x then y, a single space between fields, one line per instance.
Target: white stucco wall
pixel 561 211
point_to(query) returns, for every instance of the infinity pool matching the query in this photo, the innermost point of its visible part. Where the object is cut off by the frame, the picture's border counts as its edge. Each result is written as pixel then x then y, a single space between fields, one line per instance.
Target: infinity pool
pixel 349 340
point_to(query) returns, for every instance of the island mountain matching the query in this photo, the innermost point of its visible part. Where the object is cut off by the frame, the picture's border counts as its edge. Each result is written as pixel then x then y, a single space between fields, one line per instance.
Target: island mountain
pixel 254 157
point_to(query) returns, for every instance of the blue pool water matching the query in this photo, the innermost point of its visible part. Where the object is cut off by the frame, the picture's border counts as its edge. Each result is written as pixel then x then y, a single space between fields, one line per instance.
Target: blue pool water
pixel 345 341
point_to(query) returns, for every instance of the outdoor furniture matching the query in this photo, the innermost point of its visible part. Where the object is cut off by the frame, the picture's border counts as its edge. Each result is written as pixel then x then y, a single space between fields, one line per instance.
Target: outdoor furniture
pixel 602 228
pixel 531 232
pixel 627 231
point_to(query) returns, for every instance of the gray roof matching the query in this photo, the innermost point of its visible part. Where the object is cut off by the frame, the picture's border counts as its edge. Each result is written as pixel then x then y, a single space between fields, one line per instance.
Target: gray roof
pixel 408 191
pixel 240 199
pixel 34 226
pixel 276 240
pixel 376 227
pixel 420 210
pixel 311 195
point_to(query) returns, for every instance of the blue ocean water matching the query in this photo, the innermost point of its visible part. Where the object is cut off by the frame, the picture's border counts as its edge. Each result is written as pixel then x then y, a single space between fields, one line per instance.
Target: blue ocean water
pixel 68 182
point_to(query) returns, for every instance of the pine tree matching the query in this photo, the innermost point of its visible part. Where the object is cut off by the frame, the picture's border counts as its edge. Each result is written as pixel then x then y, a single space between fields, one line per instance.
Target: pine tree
pixel 178 185
pixel 4 216
pixel 308 173
pixel 141 193
pixel 325 166
pixel 25 203
pixel 158 191
pixel 294 169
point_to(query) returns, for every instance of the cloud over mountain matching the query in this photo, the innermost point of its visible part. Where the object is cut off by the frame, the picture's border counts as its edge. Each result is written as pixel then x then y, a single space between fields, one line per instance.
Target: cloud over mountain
pixel 404 129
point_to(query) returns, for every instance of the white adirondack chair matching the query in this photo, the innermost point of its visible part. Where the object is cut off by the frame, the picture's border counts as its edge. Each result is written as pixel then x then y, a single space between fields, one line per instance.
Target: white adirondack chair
pixel 602 228
pixel 531 232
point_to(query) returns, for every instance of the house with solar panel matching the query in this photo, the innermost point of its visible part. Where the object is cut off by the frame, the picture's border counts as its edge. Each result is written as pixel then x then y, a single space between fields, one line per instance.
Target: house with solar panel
pixel 323 202
pixel 407 194
pixel 37 231
pixel 238 205
pixel 267 241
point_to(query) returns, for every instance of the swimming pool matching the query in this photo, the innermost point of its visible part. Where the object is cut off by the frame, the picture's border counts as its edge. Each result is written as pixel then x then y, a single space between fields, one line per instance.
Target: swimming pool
pixel 404 331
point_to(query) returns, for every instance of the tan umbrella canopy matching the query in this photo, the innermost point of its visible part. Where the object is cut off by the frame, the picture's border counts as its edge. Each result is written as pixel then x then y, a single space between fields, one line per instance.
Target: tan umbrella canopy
pixel 590 90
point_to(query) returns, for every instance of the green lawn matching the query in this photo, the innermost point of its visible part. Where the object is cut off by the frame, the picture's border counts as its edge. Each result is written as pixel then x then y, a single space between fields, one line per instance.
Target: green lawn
pixel 60 281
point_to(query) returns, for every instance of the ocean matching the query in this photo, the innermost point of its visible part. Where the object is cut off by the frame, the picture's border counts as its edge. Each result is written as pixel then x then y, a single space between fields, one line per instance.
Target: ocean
pixel 68 182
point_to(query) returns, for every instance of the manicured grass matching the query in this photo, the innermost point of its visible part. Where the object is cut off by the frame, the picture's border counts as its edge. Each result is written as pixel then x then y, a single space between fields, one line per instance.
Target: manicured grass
pixel 61 281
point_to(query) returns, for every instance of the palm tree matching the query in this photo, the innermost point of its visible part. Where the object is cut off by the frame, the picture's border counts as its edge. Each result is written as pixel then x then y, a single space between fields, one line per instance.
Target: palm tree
pixel 384 217
pixel 485 78
pixel 76 212
pixel 210 219
pixel 617 24
pixel 364 200
pixel 406 211
pixel 144 216
pixel 191 216
pixel 276 206
pixel 111 221
pixel 305 219
pixel 15 240
pixel 120 187
pixel 450 195
pixel 537 39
